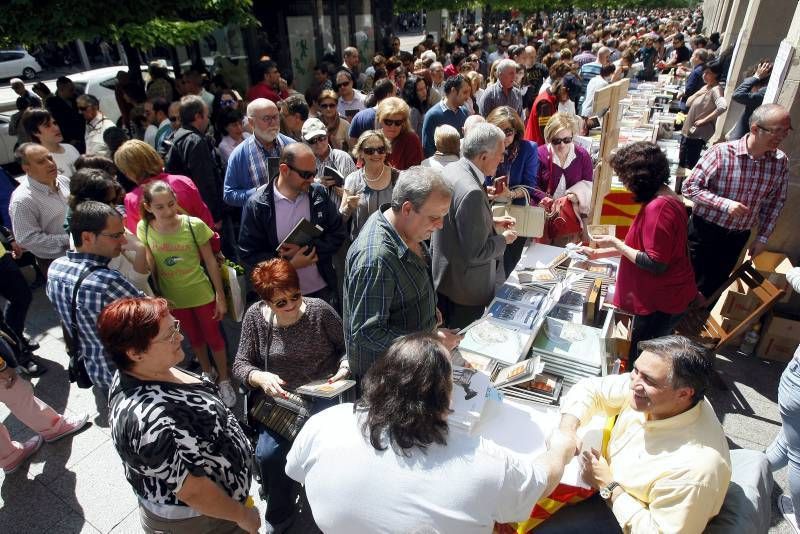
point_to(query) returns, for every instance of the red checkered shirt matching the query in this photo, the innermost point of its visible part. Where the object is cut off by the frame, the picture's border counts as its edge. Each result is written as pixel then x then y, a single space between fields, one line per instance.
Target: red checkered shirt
pixel 728 173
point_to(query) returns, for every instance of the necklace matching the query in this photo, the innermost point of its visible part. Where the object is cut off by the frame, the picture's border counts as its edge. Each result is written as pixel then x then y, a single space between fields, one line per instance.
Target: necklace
pixel 377 178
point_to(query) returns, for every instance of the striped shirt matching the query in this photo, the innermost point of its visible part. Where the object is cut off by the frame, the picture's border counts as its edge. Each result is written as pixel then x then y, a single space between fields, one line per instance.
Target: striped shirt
pixel 37 216
pixel 388 292
pixel 100 288
pixel 727 173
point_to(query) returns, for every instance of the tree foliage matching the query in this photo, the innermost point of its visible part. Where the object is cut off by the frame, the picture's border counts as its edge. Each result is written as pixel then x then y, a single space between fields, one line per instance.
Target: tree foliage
pixel 143 23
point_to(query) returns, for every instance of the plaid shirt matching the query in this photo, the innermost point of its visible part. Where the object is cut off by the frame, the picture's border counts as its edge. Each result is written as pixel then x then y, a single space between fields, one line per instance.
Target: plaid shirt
pixel 728 173
pixel 99 289
pixel 388 292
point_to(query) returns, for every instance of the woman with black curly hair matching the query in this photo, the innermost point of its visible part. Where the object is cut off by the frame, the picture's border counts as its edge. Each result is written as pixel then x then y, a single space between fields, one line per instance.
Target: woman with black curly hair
pixel 655 281
pixel 390 463
pixel 415 93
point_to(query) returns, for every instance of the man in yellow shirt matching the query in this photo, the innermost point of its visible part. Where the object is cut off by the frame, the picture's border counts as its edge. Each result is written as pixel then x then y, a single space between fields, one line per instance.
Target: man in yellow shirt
pixel 667 466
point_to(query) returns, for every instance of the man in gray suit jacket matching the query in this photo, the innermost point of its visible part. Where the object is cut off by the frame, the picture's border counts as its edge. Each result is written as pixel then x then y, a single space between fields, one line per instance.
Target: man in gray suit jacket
pixel 468 251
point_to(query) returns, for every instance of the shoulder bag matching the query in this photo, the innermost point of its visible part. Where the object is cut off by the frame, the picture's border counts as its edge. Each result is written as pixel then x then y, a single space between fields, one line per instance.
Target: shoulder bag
pixel 77 367
pixel 529 219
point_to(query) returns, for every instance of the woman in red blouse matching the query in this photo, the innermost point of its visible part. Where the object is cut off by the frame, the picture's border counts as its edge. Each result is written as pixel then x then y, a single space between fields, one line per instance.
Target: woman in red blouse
pixel 392 117
pixel 655 281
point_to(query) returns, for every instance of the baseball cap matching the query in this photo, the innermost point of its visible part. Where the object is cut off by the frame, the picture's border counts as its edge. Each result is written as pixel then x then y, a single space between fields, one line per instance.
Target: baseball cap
pixel 313 128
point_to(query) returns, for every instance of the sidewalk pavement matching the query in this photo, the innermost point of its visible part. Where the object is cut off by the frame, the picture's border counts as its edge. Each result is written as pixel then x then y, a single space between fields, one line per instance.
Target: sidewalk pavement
pixel 77 485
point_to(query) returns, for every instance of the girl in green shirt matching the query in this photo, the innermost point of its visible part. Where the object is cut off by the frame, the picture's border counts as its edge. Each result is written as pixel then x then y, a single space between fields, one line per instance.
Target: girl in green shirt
pixel 177 249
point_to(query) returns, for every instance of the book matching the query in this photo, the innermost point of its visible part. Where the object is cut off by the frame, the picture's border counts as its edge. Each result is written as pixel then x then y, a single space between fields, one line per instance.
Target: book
pixel 519 295
pixel 497 340
pixel 273 166
pixel 468 397
pixel 543 388
pixel 331 173
pixel 575 344
pixel 538 256
pixel 594 268
pixel 302 234
pixel 521 372
pixel 515 314
pixel 321 388
pixel 537 276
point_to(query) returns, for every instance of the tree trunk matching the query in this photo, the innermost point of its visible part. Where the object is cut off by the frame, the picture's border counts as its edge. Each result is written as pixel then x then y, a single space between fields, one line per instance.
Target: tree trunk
pixel 134 63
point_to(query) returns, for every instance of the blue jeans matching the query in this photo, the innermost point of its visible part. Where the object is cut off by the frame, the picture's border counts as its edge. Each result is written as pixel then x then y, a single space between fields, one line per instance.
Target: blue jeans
pixel 786 447
pixel 271 452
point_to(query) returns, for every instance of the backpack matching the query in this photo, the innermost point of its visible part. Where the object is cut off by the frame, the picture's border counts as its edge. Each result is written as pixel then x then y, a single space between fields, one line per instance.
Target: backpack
pixel 172 152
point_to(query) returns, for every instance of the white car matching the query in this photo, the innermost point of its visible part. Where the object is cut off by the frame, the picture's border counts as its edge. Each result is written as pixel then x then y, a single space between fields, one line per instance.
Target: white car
pixel 15 63
pixel 7 142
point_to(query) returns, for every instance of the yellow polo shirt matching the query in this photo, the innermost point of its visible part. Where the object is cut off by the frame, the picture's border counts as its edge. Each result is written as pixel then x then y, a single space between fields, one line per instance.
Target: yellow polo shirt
pixel 675 472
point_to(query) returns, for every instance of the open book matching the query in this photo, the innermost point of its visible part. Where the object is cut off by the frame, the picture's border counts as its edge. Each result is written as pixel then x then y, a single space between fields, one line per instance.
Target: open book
pixel 302 234
pixel 321 388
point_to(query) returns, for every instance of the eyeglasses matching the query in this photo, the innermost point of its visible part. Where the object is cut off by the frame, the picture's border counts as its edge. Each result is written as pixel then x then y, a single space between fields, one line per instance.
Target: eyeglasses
pixel 173 119
pixel 557 141
pixel 327 106
pixel 282 303
pixel 370 150
pixel 176 329
pixel 776 131
pixel 115 235
pixel 391 122
pixel 343 84
pixel 305 175
pixel 269 118
pixel 509 132
pixel 317 139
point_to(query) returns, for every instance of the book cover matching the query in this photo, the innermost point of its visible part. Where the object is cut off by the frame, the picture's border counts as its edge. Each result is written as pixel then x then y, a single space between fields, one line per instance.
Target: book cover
pixel 501 342
pixel 321 388
pixel 520 372
pixel 515 314
pixel 518 295
pixel 468 397
pixel 575 342
pixel 302 234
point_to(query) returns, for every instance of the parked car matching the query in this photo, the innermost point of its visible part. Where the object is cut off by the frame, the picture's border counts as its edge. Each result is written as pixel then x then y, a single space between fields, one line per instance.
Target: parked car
pixel 18 63
pixel 7 142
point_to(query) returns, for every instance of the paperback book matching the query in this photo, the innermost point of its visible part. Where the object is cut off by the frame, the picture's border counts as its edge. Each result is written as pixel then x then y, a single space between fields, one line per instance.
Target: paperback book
pixel 321 388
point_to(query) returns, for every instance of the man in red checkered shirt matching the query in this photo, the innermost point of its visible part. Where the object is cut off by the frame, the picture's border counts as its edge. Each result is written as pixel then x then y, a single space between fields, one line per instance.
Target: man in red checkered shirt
pixel 735 186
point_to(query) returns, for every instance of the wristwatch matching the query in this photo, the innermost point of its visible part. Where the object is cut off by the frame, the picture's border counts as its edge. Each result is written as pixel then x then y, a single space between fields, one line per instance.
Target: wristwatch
pixel 606 492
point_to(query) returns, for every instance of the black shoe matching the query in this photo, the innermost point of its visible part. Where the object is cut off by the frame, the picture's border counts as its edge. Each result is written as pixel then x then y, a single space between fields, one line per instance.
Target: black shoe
pixel 31 368
pixel 29 344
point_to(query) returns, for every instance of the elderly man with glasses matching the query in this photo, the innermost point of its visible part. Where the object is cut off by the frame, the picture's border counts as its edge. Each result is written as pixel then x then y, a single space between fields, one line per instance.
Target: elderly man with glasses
pixel 255 160
pixel 273 211
pixel 734 186
pixel 96 125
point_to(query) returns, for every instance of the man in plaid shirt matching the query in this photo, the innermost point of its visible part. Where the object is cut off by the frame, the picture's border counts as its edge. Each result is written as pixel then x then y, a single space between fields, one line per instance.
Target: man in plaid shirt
pixel 99 235
pixel 388 286
pixel 734 186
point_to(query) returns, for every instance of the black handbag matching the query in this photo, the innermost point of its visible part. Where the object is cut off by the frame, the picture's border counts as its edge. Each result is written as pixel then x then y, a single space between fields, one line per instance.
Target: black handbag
pixel 285 416
pixel 77 367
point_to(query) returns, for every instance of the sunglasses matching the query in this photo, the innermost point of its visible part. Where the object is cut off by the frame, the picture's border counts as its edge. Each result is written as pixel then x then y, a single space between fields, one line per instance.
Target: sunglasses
pixel 509 132
pixel 280 304
pixel 370 150
pixel 305 175
pixel 391 122
pixel 558 141
pixel 327 106
pixel 342 84
pixel 317 139
pixel 173 119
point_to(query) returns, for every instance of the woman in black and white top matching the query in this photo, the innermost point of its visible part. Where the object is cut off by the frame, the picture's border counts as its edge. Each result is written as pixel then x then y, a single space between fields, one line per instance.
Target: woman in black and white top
pixel 183 451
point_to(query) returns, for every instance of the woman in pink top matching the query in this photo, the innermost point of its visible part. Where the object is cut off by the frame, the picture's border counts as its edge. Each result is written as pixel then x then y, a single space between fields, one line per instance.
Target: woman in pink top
pixel 141 163
pixel 655 280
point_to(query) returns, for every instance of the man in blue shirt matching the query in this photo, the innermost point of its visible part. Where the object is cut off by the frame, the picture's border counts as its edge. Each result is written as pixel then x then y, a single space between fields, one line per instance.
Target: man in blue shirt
pixel 249 163
pixel 450 110
pixel 99 235
pixel 364 120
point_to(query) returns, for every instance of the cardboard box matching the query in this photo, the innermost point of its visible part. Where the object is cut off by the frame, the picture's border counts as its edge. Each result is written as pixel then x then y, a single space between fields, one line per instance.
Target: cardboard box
pixel 779 339
pixel 616 336
pixel 728 325
pixel 774 266
pixel 737 305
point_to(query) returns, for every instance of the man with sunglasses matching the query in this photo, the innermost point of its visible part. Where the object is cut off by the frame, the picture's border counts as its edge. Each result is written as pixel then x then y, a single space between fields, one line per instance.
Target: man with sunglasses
pixel 275 208
pixel 96 125
pixel 449 110
pixel 99 236
pixel 254 161
pixel 351 100
pixel 734 186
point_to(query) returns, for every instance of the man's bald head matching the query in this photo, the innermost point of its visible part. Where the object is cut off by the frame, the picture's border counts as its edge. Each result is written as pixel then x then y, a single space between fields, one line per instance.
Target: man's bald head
pixel 260 104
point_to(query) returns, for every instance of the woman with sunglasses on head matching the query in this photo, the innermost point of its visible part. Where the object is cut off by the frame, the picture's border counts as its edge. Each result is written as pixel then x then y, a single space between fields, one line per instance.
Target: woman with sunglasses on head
pixel 231 126
pixel 368 188
pixel 184 453
pixel 186 273
pixel 287 341
pixel 336 125
pixel 520 164
pixel 392 118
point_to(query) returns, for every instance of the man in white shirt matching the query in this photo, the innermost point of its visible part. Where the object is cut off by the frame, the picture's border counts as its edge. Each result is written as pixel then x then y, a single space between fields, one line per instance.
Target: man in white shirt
pixel 667 466
pixel 365 472
pixel 156 111
pixel 96 125
pixel 595 84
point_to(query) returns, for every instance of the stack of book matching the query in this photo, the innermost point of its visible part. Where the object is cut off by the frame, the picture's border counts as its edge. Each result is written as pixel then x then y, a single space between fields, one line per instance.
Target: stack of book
pixel 468 398
pixel 571 350
pixel 526 381
pixel 516 305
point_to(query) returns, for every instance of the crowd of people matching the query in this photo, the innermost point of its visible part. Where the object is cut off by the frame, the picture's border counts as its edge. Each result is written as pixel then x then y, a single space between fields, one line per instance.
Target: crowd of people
pixel 397 166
